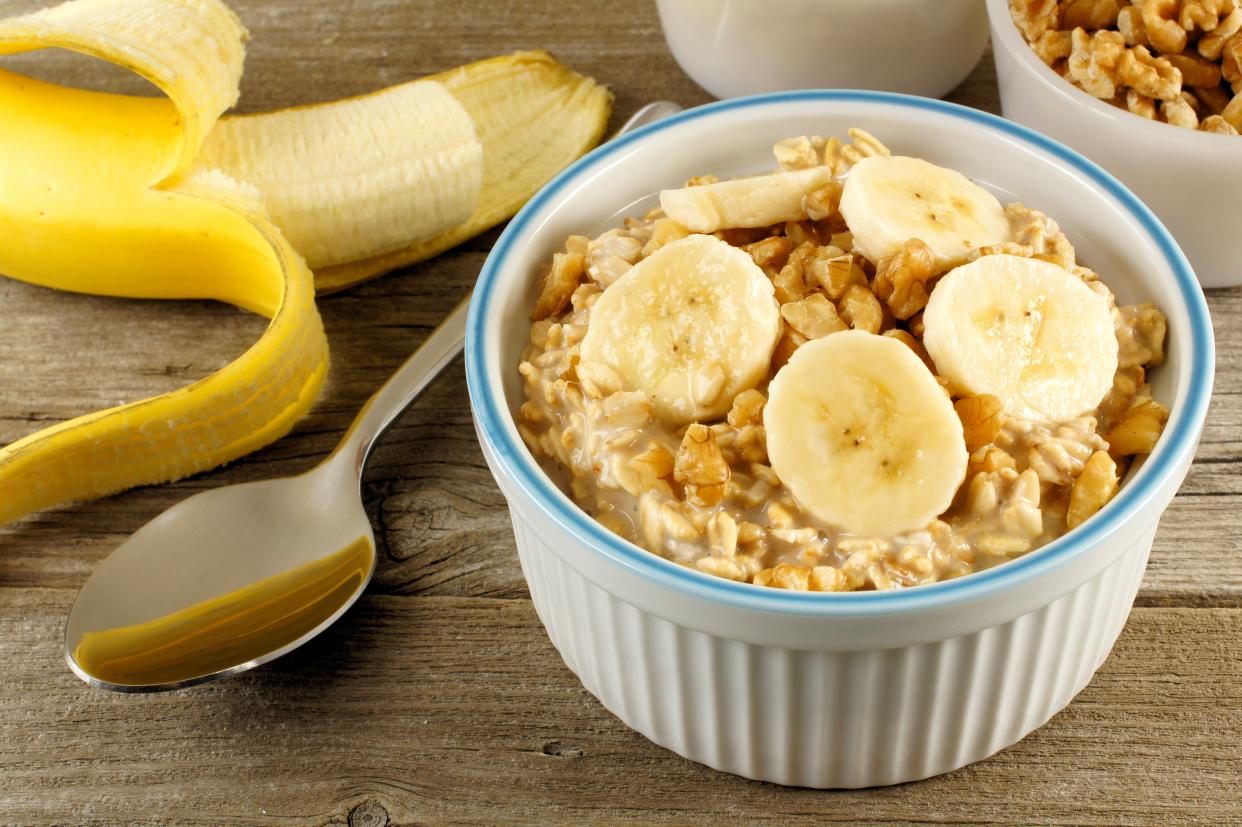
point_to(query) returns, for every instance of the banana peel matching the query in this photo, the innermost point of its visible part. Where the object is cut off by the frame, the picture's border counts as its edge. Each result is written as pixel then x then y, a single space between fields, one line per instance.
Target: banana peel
pixel 162 198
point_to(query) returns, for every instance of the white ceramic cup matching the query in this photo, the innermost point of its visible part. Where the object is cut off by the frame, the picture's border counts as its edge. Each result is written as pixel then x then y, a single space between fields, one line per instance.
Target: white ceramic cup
pixel 834 690
pixel 1191 180
pixel 744 47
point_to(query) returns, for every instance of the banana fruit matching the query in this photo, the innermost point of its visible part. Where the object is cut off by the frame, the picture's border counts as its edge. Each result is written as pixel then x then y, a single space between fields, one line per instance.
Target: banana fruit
pixel 161 198
pixel 757 201
pixel 1026 331
pixel 534 116
pixel 862 435
pixel 888 200
pixel 692 325
pixel 395 182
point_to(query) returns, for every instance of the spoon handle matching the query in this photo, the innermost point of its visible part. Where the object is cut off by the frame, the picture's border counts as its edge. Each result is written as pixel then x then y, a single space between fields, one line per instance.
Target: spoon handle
pixel 440 348
pixel 405 385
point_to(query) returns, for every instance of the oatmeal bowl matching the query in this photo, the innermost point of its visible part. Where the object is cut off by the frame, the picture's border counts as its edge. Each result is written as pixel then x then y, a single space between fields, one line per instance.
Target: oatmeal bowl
pixel 1149 89
pixel 836 461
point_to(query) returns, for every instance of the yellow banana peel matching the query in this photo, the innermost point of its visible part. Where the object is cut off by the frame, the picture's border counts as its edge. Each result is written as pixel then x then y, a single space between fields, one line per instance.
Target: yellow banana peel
pixel 162 198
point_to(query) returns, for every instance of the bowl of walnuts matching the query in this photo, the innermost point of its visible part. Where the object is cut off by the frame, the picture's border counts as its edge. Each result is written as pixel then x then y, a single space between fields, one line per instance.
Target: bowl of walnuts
pixel 1149 89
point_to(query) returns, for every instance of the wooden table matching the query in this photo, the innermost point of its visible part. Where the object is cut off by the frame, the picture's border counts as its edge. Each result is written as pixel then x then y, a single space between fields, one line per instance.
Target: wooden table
pixel 438 698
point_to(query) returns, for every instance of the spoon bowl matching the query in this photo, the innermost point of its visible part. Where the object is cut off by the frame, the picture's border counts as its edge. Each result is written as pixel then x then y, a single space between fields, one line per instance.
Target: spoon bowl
pixel 223 581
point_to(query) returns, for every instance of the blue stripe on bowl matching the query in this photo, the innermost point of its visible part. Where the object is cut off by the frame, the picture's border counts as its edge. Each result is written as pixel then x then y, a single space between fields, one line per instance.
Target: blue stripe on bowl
pixel 1176 445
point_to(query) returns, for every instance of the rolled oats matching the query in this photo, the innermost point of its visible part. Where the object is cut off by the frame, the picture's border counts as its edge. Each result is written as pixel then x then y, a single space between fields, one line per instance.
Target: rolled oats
pixel 706 495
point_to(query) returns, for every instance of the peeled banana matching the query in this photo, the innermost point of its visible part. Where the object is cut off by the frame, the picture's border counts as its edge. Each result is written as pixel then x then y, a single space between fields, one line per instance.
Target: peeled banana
pixel 160 198
pixel 888 200
pixel 1026 331
pixel 757 201
pixel 863 436
pixel 692 325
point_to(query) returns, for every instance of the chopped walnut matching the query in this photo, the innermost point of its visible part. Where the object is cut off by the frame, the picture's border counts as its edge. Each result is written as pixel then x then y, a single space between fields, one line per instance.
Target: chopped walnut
pixel 1095 486
pixel 1140 104
pixel 1196 71
pixel 789 283
pixel 1204 15
pixel 814 316
pixel 1139 428
pixel 1053 46
pixel 836 274
pixel 790 341
pixel 1163 29
pixel 1034 17
pixel 1212 44
pixel 901 279
pixel 771 253
pixel 1179 113
pixel 700 467
pixel 981 419
pixel 1095 59
pixel 1232 114
pixel 558 285
pixel 1153 76
pixel 1089 14
pixel 1130 24
pixel 860 309
pixel 1217 124
pixel 747 409
pixel 823 202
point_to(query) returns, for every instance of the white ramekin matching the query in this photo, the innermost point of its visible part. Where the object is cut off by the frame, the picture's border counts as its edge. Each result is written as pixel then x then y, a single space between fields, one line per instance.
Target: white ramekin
pixel 744 47
pixel 834 690
pixel 1192 180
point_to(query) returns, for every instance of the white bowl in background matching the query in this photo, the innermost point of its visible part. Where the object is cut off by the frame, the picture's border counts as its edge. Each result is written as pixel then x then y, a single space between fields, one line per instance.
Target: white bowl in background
pixel 744 47
pixel 1191 180
pixel 834 690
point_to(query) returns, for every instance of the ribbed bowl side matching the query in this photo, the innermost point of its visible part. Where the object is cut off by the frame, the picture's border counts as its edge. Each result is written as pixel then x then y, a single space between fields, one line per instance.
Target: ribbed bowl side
pixel 828 718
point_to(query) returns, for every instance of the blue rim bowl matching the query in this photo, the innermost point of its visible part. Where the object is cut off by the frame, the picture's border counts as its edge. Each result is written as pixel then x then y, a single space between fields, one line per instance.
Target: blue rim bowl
pixel 1176 445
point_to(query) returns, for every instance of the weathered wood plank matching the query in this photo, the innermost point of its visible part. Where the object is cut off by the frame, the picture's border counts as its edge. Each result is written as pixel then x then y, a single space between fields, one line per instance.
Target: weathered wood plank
pixel 458 710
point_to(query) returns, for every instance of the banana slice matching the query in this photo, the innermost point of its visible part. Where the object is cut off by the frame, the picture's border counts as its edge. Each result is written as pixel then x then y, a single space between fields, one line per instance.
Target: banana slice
pixel 862 435
pixel 692 325
pixel 758 201
pixel 889 200
pixel 1023 330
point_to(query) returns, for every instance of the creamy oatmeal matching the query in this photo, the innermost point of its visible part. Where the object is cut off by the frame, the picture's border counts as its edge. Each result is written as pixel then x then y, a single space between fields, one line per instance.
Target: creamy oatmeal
pixel 857 372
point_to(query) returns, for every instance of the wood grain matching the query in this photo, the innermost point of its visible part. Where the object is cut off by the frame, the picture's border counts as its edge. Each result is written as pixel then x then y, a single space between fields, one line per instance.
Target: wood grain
pixel 439 699
pixel 439 709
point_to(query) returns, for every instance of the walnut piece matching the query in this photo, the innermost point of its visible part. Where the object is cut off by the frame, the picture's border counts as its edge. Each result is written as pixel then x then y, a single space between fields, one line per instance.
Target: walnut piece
pixel 981 419
pixel 1139 428
pixel 1163 28
pixel 1153 76
pixel 700 467
pixel 814 316
pixel 1095 486
pixel 1095 60
pixel 860 309
pixel 901 279
pixel 559 285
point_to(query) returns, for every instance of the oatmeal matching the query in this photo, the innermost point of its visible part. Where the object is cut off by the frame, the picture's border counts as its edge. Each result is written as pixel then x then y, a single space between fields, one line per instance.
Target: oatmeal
pixel 858 372
pixel 1176 61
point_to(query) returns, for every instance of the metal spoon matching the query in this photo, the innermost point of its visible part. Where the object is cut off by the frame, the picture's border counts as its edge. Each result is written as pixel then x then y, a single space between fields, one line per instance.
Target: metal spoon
pixel 233 577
